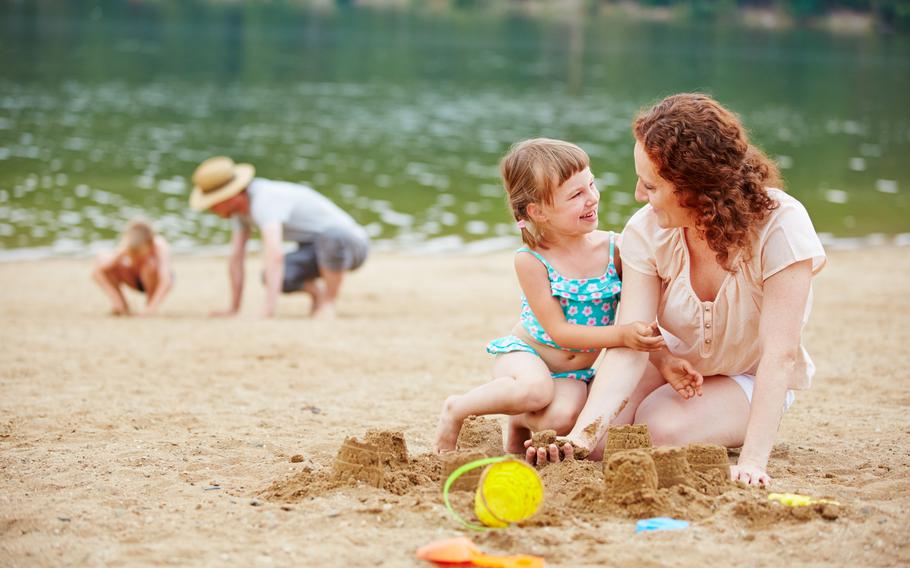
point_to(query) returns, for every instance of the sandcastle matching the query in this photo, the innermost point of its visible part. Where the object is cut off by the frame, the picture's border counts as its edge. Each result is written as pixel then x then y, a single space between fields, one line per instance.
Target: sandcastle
pixel 369 461
pixel 703 467
pixel 481 434
pixel 630 437
pixel 672 467
pixel 629 471
pixel 453 460
pixel 708 459
pixel 358 461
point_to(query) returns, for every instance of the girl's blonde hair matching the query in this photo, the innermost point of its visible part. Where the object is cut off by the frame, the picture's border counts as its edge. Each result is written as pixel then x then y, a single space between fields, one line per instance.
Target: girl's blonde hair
pixel 138 234
pixel 531 172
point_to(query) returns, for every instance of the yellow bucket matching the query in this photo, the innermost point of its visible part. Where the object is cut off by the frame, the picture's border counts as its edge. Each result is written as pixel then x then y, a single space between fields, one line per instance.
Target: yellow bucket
pixel 509 491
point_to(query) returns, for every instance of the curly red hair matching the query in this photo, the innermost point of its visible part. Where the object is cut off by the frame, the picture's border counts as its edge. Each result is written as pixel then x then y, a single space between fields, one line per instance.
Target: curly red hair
pixel 703 150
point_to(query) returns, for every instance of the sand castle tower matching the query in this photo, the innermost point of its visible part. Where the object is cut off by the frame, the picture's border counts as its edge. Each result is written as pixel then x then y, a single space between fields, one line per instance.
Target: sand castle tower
pixel 672 467
pixel 630 437
pixel 629 471
pixel 370 460
pixel 708 459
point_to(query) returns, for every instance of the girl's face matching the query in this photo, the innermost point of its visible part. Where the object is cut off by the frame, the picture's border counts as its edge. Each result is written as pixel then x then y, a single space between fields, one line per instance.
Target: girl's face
pixel 659 192
pixel 139 253
pixel 574 207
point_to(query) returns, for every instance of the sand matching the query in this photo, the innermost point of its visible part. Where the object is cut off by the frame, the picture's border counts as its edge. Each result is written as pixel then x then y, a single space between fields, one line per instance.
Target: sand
pixel 191 441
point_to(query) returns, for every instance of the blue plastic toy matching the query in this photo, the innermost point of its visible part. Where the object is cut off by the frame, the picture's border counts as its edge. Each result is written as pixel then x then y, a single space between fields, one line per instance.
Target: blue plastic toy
pixel 660 524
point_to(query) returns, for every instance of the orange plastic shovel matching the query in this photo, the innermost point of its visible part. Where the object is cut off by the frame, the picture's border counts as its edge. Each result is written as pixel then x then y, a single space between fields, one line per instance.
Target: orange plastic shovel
pixel 461 550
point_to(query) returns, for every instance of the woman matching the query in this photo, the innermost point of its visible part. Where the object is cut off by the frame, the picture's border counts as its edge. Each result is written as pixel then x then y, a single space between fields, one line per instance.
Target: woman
pixel 725 263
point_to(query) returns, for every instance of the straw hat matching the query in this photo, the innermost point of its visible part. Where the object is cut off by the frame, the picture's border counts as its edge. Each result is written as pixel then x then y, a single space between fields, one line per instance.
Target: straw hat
pixel 218 179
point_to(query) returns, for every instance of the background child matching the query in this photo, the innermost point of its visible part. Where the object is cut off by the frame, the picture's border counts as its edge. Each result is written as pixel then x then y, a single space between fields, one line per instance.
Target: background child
pixel 570 275
pixel 140 261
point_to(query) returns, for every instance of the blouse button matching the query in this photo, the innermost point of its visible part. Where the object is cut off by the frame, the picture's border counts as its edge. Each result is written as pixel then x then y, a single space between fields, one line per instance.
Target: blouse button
pixel 707 341
pixel 708 325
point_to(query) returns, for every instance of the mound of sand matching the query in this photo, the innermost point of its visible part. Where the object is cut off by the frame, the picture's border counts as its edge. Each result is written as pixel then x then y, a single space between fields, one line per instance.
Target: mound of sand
pixel 481 434
pixel 636 481
pixel 381 460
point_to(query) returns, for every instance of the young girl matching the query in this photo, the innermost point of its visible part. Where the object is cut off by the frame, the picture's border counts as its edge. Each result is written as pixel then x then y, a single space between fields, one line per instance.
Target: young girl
pixel 141 261
pixel 570 275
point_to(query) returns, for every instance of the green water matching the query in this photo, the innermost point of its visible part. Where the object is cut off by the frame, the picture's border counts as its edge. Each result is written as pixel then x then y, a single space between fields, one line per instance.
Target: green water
pixel 402 116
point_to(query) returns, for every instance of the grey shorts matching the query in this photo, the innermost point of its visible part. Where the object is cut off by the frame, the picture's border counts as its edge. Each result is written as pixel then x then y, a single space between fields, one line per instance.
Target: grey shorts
pixel 336 249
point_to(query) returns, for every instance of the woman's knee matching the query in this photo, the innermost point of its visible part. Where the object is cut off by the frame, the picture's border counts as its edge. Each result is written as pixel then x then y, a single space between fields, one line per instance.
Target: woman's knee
pixel 667 424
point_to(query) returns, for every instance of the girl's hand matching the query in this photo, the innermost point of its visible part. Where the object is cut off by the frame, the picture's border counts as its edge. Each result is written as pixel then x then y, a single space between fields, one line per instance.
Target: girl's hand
pixel 642 337
pixel 682 376
pixel 567 450
pixel 748 474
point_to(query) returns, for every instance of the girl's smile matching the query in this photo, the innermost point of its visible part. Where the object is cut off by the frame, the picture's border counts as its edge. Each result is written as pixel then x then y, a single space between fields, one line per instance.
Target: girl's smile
pixel 573 210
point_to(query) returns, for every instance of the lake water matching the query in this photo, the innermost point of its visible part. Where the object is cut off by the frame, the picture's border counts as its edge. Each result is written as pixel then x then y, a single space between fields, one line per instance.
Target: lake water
pixel 401 116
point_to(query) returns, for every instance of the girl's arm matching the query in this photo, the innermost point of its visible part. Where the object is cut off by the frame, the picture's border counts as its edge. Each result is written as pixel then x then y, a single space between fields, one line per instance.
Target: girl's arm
pixel 165 275
pixel 103 264
pixel 783 306
pixel 535 283
pixel 621 369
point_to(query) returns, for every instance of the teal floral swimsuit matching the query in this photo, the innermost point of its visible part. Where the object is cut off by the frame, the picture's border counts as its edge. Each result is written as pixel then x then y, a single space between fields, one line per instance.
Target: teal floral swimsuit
pixel 584 301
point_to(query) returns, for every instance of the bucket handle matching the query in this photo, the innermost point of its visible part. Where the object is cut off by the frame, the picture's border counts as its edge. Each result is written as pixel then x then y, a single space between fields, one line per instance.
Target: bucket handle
pixel 458 473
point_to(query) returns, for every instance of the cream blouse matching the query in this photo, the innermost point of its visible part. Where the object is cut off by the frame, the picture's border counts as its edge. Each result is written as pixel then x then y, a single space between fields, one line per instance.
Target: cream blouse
pixel 721 337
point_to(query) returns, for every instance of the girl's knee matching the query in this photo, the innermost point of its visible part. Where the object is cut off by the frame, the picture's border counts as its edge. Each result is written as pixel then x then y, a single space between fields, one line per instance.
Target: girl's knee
pixel 564 419
pixel 538 398
pixel 535 394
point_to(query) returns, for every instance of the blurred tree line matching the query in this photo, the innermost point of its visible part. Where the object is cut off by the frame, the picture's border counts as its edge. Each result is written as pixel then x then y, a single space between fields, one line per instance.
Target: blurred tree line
pixel 885 14
pixel 891 13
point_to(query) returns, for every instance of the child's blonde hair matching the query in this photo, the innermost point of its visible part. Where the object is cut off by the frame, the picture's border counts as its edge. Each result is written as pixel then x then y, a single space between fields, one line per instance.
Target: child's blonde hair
pixel 531 172
pixel 138 234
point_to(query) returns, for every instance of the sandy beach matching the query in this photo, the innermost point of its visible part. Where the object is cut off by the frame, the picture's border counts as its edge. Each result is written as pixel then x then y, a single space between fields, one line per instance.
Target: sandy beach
pixel 169 440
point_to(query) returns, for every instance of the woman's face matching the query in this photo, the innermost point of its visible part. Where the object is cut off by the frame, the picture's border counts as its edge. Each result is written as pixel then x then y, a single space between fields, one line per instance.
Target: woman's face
pixel 657 191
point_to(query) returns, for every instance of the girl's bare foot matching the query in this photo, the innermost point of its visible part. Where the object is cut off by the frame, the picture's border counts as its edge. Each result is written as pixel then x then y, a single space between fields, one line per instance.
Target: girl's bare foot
pixel 448 428
pixel 325 311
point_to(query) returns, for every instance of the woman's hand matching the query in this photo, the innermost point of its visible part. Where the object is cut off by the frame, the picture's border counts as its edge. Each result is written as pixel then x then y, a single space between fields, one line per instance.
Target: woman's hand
pixel 750 474
pixel 641 336
pixel 682 376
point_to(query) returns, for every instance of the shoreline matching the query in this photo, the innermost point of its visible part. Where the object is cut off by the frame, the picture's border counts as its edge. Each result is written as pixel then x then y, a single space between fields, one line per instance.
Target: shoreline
pixel 448 245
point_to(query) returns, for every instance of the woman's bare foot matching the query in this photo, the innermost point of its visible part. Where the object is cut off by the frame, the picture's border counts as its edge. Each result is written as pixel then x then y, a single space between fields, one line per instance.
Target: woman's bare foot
pixel 515 435
pixel 448 428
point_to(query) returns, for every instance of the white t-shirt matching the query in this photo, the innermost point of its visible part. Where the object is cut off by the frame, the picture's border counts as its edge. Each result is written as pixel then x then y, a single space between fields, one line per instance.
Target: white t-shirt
pixel 303 212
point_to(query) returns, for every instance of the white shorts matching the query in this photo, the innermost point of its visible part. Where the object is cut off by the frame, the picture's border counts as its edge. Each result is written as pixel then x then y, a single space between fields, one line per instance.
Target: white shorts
pixel 747 383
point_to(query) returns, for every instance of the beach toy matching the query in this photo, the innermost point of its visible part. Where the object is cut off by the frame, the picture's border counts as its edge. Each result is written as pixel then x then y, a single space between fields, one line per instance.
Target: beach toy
pixel 509 491
pixel 461 550
pixel 797 500
pixel 660 524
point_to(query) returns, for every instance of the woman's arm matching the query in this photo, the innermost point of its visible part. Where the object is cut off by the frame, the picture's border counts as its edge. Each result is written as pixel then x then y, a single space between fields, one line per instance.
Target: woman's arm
pixel 783 305
pixel 620 371
pixel 535 283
